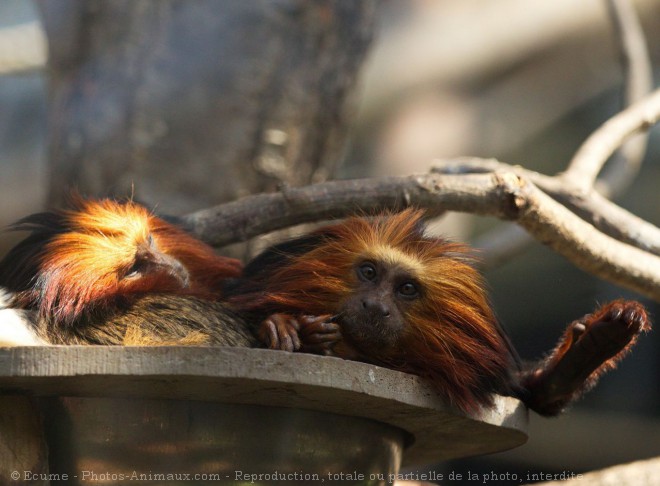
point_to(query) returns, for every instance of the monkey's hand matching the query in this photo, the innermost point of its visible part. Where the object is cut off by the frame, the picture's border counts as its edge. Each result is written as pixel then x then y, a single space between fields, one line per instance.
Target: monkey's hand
pixel 319 334
pixel 309 334
pixel 590 347
pixel 280 331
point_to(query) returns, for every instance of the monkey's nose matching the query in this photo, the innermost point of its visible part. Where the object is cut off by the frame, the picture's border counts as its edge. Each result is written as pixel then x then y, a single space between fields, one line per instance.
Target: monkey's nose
pixel 376 306
pixel 172 266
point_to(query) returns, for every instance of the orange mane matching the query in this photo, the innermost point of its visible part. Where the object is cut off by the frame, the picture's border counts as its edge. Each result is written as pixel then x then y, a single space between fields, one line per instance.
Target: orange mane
pixel 75 259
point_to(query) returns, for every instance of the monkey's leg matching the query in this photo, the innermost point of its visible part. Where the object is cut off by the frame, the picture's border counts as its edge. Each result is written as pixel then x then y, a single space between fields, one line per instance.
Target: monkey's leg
pixel 590 347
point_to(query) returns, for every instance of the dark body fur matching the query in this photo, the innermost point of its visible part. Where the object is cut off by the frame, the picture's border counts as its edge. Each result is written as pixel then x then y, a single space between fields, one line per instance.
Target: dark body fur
pixel 157 319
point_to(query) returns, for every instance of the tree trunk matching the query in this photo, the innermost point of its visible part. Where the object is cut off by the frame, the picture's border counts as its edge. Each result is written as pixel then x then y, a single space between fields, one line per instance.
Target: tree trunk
pixel 186 104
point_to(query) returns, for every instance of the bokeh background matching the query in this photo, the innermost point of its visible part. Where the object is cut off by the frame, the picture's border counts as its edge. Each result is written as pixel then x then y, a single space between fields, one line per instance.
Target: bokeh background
pixel 524 81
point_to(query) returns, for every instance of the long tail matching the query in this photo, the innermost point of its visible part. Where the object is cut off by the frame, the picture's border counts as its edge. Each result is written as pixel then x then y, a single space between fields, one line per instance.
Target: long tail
pixel 15 326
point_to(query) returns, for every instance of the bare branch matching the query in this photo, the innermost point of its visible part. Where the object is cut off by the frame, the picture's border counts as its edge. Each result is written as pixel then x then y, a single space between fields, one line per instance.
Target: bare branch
pixel 638 83
pixel 501 194
pixel 594 152
pixel 488 187
pixel 586 247
pixel 609 218
pixel 619 174
pixel 262 213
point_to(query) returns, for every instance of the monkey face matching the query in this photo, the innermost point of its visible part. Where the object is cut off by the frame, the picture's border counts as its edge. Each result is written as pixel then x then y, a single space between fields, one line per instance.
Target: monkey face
pixel 150 261
pixel 374 314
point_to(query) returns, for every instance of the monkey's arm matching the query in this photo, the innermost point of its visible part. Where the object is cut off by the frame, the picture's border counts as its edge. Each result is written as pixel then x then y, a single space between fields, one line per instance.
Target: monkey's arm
pixel 590 347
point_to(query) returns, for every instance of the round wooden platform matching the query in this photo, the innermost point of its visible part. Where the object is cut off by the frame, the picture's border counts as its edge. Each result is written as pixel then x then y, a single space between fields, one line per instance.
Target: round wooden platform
pixel 268 378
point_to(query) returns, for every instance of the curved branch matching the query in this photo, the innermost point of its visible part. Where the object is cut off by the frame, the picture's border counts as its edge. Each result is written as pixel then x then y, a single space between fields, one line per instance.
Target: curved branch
pixel 505 195
pixel 617 176
pixel 262 213
pixel 638 72
pixel 609 218
pixel 594 152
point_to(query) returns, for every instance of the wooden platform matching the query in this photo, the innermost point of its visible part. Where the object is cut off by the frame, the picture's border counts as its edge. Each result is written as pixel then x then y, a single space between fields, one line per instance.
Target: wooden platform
pixel 270 378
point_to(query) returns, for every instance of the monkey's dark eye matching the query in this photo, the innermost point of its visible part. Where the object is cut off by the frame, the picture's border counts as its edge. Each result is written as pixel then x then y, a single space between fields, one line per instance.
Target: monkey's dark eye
pixel 408 290
pixel 367 271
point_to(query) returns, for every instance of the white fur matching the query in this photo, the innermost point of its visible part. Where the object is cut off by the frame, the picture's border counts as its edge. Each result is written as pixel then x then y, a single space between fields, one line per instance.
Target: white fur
pixel 15 326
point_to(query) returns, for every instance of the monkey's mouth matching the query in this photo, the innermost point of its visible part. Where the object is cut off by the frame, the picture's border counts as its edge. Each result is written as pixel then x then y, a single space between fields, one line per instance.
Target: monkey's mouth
pixel 366 333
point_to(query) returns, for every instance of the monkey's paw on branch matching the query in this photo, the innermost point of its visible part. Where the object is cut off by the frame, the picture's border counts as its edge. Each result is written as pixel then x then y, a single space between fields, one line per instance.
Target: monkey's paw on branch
pixel 590 347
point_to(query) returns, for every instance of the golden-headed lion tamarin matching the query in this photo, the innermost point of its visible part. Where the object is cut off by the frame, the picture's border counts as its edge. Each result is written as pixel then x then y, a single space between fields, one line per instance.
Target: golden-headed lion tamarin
pixel 110 272
pixel 380 290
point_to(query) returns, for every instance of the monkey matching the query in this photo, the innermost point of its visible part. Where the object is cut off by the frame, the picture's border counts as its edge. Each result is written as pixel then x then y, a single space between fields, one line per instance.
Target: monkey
pixel 110 272
pixel 382 291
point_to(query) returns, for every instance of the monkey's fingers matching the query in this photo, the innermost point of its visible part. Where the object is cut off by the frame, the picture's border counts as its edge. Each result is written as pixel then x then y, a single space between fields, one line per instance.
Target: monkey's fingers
pixel 319 334
pixel 280 331
pixel 319 329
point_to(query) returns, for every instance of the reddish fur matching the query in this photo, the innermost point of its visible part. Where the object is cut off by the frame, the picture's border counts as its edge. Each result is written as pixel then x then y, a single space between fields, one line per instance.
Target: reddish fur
pixel 452 338
pixel 81 267
pixel 589 348
pixel 598 316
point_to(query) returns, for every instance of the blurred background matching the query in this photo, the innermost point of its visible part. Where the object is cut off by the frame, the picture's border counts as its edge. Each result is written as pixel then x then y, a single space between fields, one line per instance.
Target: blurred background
pixel 110 89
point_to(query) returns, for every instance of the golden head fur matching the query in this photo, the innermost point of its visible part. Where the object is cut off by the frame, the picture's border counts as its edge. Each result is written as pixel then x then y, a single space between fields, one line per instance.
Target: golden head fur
pixel 98 253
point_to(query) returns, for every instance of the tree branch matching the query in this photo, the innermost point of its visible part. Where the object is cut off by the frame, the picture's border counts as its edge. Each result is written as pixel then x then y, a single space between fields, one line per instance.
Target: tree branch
pixel 609 218
pixel 488 187
pixel 594 152
pixel 505 195
pixel 638 73
pixel 618 175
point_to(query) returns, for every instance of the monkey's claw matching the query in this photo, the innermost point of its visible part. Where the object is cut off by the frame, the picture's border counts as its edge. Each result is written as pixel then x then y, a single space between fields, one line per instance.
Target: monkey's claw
pixel 280 331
